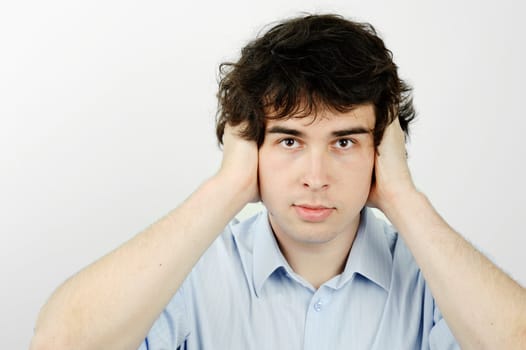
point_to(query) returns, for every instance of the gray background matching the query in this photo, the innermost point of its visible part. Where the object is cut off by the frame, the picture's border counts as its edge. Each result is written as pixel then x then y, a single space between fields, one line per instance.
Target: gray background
pixel 107 122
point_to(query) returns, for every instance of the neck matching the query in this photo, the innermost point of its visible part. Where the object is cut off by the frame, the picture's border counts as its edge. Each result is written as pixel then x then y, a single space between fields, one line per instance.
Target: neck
pixel 318 262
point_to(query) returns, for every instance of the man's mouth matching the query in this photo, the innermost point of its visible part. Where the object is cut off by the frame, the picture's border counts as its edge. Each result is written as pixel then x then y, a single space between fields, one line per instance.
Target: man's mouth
pixel 313 212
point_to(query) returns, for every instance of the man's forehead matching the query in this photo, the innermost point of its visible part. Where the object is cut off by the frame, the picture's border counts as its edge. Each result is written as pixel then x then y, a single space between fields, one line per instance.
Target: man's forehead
pixel 359 116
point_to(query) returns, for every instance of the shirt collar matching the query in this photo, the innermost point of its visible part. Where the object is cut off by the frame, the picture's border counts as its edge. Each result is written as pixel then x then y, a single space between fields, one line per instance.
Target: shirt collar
pixel 267 255
pixel 370 255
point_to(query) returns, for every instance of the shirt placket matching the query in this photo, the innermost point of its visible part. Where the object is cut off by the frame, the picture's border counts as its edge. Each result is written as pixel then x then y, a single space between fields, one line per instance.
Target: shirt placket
pixel 316 332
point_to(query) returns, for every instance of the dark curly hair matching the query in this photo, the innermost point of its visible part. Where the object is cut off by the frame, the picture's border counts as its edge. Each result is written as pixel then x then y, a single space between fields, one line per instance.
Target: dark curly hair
pixel 309 64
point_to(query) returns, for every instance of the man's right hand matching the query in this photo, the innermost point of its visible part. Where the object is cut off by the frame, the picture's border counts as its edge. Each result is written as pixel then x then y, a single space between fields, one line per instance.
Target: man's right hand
pixel 240 163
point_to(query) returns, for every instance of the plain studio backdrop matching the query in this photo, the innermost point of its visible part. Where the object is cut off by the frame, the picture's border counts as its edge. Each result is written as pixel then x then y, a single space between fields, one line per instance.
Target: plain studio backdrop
pixel 107 122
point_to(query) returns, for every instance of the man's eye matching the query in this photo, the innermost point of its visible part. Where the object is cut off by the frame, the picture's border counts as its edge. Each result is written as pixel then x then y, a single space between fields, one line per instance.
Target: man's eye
pixel 344 143
pixel 289 143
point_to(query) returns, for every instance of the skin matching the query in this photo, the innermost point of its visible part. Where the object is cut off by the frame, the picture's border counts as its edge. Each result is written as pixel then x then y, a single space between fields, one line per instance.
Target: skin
pixel 306 164
pixel 484 308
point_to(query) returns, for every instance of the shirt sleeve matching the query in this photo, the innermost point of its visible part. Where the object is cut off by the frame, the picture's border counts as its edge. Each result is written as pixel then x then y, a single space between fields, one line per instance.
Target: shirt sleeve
pixel 171 329
pixel 440 336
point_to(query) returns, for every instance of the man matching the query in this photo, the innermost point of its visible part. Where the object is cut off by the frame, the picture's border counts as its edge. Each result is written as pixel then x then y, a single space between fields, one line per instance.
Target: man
pixel 311 119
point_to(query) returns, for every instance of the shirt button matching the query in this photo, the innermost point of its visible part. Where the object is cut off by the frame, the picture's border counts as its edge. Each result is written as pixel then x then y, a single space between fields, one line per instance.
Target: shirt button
pixel 317 306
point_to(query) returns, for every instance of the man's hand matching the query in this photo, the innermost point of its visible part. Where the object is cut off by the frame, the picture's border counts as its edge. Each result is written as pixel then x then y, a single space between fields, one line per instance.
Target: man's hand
pixel 392 176
pixel 240 163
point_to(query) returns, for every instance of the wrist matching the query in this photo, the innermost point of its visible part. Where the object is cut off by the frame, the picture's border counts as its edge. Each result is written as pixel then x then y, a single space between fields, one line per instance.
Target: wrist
pixel 403 201
pixel 235 190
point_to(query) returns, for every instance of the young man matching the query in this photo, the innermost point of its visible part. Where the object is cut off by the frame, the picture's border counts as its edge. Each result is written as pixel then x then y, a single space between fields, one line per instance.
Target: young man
pixel 312 119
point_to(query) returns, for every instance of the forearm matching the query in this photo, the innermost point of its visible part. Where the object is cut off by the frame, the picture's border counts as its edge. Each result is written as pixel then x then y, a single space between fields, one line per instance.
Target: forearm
pixel 113 303
pixel 484 308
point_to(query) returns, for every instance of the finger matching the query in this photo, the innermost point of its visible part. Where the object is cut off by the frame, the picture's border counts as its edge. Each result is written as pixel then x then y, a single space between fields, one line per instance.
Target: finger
pixel 393 140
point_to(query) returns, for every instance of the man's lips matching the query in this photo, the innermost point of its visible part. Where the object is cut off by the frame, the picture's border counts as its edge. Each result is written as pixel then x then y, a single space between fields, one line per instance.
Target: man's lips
pixel 313 206
pixel 313 212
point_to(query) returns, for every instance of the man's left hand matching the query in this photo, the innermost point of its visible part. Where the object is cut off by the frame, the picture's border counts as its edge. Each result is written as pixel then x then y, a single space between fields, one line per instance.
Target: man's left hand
pixel 392 175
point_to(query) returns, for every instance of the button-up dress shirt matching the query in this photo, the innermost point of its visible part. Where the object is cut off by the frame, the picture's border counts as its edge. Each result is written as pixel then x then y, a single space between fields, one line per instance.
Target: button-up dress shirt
pixel 242 294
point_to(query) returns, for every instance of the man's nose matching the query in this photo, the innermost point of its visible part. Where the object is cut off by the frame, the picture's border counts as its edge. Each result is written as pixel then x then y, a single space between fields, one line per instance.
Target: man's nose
pixel 315 176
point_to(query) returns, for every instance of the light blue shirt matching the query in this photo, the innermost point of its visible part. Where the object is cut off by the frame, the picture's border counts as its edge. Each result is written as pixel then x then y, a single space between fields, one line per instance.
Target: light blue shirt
pixel 242 294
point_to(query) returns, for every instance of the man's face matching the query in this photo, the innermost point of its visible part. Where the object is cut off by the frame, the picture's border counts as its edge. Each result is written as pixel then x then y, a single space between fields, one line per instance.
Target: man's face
pixel 315 177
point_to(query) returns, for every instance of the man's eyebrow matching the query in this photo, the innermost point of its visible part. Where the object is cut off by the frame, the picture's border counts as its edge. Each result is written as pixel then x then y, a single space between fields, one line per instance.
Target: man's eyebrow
pixel 282 130
pixel 351 131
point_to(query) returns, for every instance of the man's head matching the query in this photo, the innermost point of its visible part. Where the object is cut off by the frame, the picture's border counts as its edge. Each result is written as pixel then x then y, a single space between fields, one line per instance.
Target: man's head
pixel 316 94
pixel 307 65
